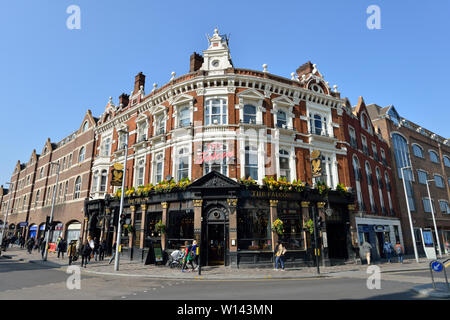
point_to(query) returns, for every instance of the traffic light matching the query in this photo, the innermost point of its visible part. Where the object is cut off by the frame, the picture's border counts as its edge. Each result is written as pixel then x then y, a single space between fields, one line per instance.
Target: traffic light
pixel 47 223
pixel 122 219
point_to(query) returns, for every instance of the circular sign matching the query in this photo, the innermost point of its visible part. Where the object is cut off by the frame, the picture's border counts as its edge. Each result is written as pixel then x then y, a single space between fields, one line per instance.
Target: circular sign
pixel 315 154
pixel 437 266
pixel 118 166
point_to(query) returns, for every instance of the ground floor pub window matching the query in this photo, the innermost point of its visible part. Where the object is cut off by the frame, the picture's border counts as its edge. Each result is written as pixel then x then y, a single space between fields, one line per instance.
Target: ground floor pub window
pixel 253 226
pixel 152 219
pixel 290 213
pixel 56 233
pixel 180 228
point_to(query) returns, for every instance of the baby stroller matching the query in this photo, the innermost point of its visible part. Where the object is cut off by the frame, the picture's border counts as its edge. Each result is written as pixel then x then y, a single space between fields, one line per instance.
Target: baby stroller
pixel 176 259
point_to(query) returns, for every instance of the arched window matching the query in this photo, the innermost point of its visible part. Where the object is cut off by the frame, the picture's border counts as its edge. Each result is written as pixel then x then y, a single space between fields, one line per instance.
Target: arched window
pixel 95 181
pixel 77 188
pixel 81 154
pixel 140 169
pixel 370 184
pixel 402 160
pixel 433 156
pixel 103 178
pixel 38 193
pixel 85 126
pixel 183 164
pixel 215 112
pixel 41 173
pixel 447 161
pixel 284 165
pixel 281 119
pixel 249 113
pixel 185 117
pixel 317 124
pixel 439 181
pixel 417 150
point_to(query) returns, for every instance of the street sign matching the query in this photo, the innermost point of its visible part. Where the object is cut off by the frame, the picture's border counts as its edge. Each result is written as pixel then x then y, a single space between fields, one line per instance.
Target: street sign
pixel 437 266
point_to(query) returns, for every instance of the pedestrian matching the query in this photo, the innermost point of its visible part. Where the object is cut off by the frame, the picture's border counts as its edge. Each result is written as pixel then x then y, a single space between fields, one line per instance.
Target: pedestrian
pixel 195 250
pixel 400 252
pixel 85 253
pixel 30 245
pixel 188 257
pixel 102 250
pixel 22 242
pixel 72 251
pixel 13 240
pixel 387 249
pixel 96 249
pixel 113 253
pixel 92 245
pixel 78 247
pixel 366 251
pixel 42 247
pixel 62 247
pixel 280 251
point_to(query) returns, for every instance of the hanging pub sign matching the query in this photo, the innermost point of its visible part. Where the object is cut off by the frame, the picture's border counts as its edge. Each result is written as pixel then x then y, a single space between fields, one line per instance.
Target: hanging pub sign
pixel 117 175
pixel 213 152
pixel 316 164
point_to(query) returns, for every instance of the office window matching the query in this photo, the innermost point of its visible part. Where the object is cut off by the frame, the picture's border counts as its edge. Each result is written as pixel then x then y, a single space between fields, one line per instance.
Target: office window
pixel 443 205
pixel 434 157
pixel 77 188
pixel 426 205
pixel 103 178
pixel 249 113
pixel 183 164
pixel 423 176
pixel 81 154
pixel 417 151
pixel 185 117
pixel 439 181
pixel 447 161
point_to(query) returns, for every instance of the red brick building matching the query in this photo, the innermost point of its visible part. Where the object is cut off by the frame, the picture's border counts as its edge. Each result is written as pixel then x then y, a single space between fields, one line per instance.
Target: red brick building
pixel 34 183
pixel 376 217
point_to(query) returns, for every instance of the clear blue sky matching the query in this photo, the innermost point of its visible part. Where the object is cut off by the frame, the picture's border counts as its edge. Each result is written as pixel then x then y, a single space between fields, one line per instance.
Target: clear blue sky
pixel 51 75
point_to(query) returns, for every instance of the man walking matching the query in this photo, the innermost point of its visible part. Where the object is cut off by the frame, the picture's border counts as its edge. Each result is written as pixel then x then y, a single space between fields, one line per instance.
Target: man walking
pixel 399 250
pixel 387 249
pixel 30 245
pixel 62 247
pixel 72 251
pixel 366 251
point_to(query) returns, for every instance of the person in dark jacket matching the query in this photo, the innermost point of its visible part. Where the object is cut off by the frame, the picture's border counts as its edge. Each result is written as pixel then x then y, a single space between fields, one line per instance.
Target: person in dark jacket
pixel 30 245
pixel 102 250
pixel 85 253
pixel 113 253
pixel 188 257
pixel 62 247
pixel 42 247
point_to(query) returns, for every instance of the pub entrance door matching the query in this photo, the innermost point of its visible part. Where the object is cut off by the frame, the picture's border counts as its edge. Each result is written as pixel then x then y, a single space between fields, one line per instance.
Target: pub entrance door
pixel 216 236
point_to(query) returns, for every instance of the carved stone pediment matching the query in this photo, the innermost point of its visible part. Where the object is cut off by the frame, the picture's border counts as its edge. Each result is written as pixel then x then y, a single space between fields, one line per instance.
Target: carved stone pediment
pixel 214 180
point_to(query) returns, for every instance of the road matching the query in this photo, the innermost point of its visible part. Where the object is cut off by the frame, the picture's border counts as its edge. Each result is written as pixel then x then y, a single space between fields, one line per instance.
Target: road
pixel 26 280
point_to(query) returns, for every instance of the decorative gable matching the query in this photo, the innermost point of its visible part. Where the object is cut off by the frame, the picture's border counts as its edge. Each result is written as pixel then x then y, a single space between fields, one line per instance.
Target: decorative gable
pixel 214 180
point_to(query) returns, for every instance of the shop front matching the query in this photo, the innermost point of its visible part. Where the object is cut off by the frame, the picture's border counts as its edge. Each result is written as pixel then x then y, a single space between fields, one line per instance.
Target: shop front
pixel 230 220
pixel 32 231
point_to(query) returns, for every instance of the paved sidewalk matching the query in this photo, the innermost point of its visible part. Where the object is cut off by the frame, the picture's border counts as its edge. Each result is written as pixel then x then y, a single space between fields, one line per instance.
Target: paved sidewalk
pixel 138 269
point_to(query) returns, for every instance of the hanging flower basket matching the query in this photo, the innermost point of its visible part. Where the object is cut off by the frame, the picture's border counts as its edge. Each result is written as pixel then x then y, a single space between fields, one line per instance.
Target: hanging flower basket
pixel 277 226
pixel 160 227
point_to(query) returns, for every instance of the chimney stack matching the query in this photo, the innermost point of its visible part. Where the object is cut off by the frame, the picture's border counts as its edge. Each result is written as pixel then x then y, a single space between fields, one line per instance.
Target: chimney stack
pixel 196 62
pixel 124 99
pixel 305 69
pixel 138 82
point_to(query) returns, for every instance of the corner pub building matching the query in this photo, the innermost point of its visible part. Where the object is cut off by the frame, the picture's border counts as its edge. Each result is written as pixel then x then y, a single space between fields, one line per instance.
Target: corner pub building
pixel 214 126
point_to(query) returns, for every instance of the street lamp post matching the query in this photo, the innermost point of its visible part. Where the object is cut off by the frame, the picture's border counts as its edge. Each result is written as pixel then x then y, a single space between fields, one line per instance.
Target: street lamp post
pixel 409 215
pixel 434 220
pixel 47 235
pixel 11 184
pixel 119 226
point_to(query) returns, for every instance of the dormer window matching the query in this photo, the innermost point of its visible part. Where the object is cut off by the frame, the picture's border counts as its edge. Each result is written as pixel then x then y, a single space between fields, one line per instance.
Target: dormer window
pixel 85 126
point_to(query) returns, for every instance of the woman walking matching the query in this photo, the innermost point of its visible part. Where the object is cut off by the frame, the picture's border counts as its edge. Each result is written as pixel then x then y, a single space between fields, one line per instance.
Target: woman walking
pixel 188 257
pixel 279 255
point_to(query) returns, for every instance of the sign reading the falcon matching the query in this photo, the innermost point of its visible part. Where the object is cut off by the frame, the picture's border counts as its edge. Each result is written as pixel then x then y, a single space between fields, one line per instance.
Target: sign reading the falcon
pixel 213 152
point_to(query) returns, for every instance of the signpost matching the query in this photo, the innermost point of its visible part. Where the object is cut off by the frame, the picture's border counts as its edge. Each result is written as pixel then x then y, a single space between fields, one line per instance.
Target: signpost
pixel 438 266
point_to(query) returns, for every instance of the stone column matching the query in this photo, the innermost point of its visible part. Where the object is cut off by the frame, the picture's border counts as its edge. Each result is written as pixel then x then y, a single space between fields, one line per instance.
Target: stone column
pixel 305 218
pixel 143 225
pixel 165 207
pixel 232 218
pixel 131 236
pixel 198 204
pixel 352 235
pixel 323 240
pixel 273 217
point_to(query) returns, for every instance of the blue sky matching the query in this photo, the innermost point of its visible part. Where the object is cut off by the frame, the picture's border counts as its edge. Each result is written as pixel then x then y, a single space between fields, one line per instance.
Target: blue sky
pixel 51 75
